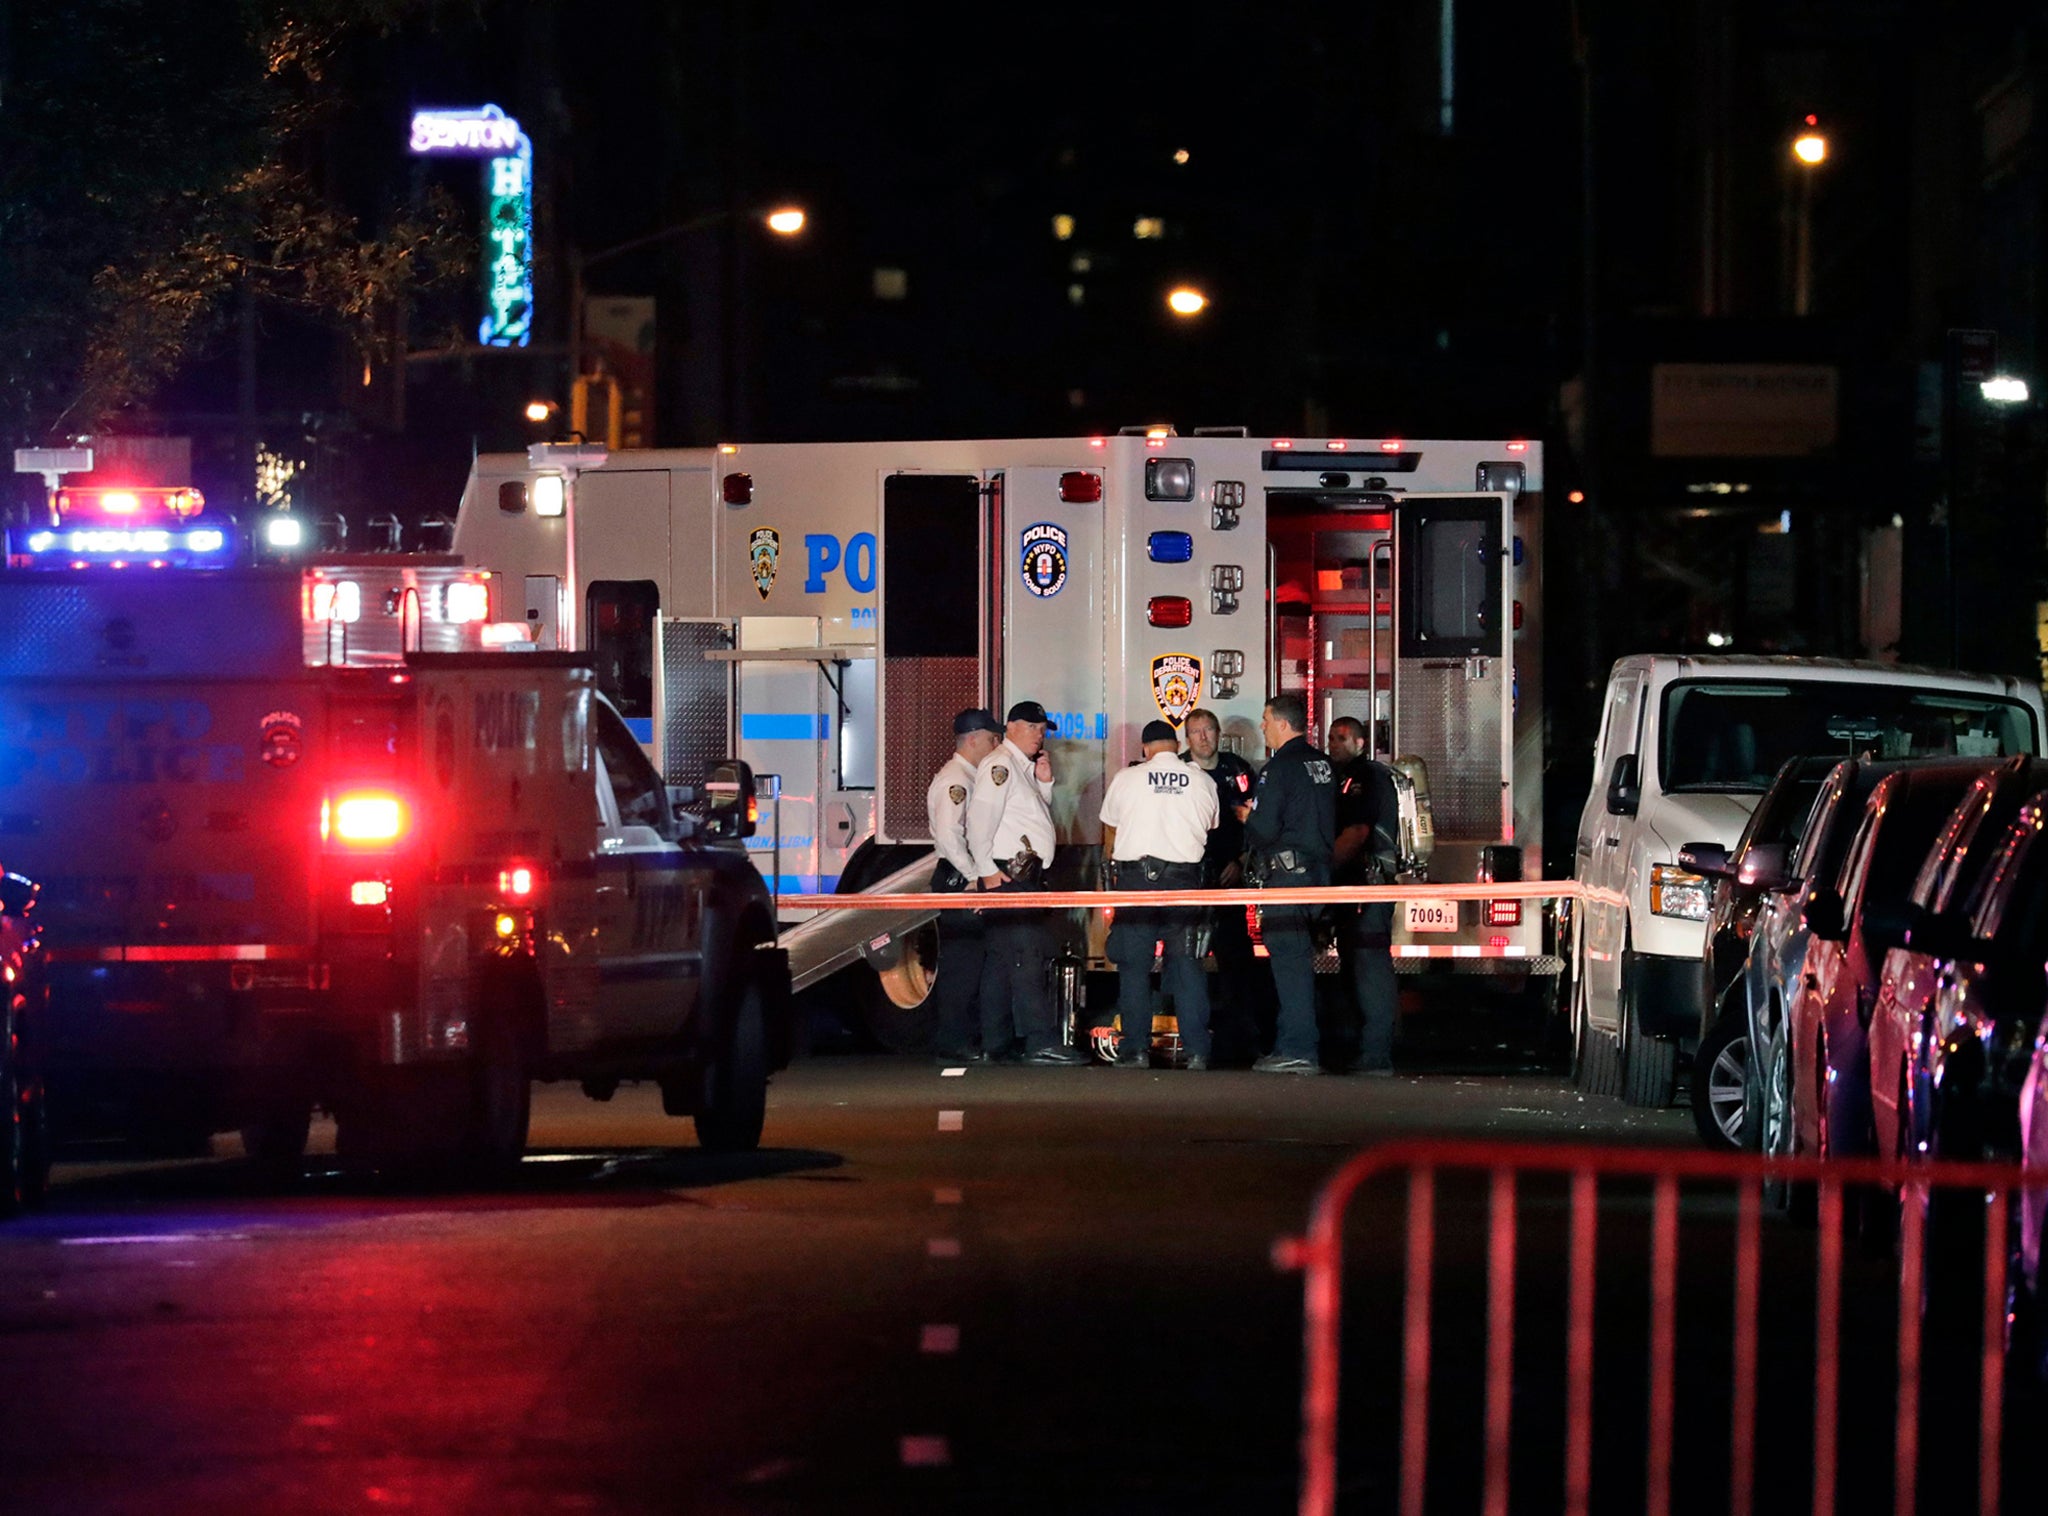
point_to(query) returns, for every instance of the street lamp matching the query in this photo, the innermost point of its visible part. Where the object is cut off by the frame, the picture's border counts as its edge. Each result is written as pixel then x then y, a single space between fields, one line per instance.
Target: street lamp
pixel 1809 152
pixel 782 220
pixel 2003 389
pixel 1185 301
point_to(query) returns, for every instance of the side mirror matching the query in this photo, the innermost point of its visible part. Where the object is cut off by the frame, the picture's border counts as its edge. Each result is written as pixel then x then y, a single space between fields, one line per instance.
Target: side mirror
pixel 1765 866
pixel 1824 916
pixel 1707 859
pixel 1625 786
pixel 734 810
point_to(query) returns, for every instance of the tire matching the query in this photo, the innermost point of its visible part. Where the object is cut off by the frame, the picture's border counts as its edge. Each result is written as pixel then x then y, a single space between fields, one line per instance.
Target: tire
pixel 1720 1084
pixel 24 1117
pixel 1778 1136
pixel 732 1095
pixel 1649 1065
pixel 1595 1066
pixel 276 1136
pixel 500 1098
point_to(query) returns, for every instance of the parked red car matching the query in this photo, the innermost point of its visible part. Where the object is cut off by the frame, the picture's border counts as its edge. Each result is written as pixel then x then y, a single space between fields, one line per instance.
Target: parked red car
pixel 1854 924
pixel 24 1123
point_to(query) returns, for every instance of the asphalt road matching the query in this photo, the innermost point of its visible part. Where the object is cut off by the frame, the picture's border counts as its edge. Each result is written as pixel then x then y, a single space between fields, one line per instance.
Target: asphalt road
pixel 1006 1289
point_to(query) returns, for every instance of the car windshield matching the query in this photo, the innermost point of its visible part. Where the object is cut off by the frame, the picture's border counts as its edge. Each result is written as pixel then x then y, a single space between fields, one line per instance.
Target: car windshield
pixel 1734 735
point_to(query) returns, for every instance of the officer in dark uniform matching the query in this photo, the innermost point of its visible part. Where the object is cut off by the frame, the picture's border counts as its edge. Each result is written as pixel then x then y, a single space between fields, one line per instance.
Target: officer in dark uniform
pixel 1290 830
pixel 1358 1032
pixel 1243 1026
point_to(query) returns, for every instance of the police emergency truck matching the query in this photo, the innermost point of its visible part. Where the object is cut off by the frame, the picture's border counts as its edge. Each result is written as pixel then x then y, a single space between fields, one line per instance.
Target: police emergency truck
pixel 310 835
pixel 823 609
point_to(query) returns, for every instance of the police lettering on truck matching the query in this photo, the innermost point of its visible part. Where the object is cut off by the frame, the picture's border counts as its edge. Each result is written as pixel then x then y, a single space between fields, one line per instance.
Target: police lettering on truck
pixel 294 862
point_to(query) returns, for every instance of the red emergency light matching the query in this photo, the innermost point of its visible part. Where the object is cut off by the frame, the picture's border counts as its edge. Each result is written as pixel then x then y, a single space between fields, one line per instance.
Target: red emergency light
pixel 364 818
pixel 1170 610
pixel 517 881
pixel 128 503
pixel 1503 913
pixel 1080 487
pixel 1518 447
pixel 1391 445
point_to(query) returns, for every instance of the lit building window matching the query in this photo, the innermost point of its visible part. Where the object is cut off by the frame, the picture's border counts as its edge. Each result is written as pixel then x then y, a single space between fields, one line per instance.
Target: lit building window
pixel 892 283
pixel 1081 263
pixel 1180 155
pixel 1076 294
pixel 1148 228
pixel 1063 227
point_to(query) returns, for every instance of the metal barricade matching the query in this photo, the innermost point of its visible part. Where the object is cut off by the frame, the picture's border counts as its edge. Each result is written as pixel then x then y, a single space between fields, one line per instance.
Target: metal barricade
pixel 1590 1177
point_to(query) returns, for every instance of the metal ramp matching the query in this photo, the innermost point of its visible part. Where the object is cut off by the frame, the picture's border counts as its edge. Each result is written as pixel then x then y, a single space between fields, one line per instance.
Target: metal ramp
pixel 832 940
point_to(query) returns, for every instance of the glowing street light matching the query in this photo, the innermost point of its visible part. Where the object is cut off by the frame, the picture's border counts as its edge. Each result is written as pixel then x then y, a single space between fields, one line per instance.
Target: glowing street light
pixel 1185 300
pixel 2003 389
pixel 786 221
pixel 1810 148
pixel 538 411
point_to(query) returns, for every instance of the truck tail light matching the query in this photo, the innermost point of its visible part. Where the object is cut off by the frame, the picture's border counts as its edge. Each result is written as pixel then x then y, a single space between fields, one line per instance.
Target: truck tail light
pixel 738 489
pixel 1170 610
pixel 369 892
pixel 516 882
pixel 364 818
pixel 1080 487
pixel 1503 913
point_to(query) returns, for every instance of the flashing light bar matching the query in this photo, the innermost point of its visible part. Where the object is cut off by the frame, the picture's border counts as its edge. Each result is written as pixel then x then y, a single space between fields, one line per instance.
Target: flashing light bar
pixel 86 546
pixel 128 502
pixel 364 818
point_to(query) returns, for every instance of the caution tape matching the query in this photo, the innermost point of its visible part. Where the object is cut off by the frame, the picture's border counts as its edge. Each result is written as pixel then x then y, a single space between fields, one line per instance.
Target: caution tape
pixel 1329 894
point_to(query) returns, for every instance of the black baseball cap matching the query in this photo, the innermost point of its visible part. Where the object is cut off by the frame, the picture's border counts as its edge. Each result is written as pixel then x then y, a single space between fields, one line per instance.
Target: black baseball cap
pixel 1027 710
pixel 1158 731
pixel 976 720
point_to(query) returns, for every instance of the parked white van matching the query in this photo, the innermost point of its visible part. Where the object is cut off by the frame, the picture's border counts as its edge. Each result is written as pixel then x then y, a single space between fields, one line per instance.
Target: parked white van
pixel 1687 747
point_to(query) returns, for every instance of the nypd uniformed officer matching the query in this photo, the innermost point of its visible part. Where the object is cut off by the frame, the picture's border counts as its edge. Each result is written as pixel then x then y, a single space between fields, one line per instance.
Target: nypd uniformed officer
pixel 1289 829
pixel 1359 1034
pixel 1156 819
pixel 1010 841
pixel 976 734
pixel 1242 1024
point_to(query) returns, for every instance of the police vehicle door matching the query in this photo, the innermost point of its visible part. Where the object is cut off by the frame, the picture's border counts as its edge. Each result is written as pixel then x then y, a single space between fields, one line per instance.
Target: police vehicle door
pixel 646 894
pixel 1454 676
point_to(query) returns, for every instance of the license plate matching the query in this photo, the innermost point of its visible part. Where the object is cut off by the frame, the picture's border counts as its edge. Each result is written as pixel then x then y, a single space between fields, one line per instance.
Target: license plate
pixel 1432 915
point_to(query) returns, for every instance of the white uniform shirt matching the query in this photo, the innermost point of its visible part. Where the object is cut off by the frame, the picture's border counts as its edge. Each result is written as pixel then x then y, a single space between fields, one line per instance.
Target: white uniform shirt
pixel 1163 808
pixel 945 807
pixel 1008 807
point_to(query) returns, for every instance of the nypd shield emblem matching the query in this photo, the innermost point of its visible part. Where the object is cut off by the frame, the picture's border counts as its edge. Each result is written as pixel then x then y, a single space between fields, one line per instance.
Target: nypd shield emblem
pixel 1176 684
pixel 764 547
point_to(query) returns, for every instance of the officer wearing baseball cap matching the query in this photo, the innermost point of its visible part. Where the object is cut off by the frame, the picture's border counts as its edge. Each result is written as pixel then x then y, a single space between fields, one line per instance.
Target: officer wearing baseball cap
pixel 1010 838
pixel 976 734
pixel 1156 817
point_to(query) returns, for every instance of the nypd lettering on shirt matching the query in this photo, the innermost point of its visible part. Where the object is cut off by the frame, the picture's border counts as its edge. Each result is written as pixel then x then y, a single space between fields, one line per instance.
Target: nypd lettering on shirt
pixel 1165 781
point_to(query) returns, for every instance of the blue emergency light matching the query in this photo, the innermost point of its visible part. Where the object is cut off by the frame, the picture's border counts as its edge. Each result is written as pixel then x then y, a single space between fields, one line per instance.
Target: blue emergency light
pixel 1170 547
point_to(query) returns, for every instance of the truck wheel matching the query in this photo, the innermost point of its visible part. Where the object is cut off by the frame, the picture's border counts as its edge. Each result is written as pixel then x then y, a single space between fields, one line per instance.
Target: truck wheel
pixel 24 1121
pixel 277 1134
pixel 1649 1065
pixel 500 1098
pixel 732 1096
pixel 1720 1083
pixel 1594 1070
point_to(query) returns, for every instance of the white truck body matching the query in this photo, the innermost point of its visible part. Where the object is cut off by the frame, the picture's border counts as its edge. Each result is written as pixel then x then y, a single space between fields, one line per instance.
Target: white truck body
pixel 824 609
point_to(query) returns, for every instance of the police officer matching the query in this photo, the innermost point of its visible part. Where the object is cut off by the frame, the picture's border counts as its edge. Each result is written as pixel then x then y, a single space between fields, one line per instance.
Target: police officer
pixel 1010 841
pixel 1243 1024
pixel 976 734
pixel 1359 1035
pixel 1289 830
pixel 1157 817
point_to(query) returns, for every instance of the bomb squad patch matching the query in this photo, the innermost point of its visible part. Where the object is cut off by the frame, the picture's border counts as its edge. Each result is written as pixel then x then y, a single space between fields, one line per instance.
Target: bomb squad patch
pixel 1044 559
pixel 764 548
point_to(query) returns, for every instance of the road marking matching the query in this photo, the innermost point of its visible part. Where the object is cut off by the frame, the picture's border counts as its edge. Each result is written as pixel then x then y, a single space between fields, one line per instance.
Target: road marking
pixel 141 1238
pixel 942 1247
pixel 925 1453
pixel 952 1121
pixel 942 1338
pixel 959 1073
pixel 947 1195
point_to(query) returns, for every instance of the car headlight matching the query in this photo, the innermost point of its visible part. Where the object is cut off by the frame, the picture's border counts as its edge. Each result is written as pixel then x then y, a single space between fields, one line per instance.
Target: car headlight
pixel 1674 892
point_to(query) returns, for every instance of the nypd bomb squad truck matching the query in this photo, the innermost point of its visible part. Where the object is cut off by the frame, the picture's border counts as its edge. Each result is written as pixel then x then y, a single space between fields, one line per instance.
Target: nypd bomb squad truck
pixel 306 839
pixel 824 609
